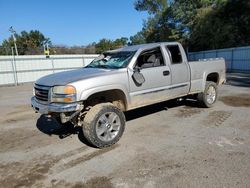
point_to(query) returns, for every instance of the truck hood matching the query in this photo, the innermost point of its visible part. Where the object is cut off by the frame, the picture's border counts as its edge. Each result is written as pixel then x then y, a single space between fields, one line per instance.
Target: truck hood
pixel 64 78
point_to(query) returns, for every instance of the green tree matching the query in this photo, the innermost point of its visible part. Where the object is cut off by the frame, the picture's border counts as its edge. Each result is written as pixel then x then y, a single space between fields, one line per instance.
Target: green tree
pixel 107 44
pixel 221 25
pixel 184 14
pixel 5 48
pixel 27 43
pixel 138 38
pixel 120 42
pixel 159 26
pixel 103 45
pixel 198 24
pixel 151 6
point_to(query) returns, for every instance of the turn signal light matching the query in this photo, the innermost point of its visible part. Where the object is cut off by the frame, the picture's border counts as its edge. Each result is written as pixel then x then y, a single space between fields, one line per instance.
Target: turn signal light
pixel 69 90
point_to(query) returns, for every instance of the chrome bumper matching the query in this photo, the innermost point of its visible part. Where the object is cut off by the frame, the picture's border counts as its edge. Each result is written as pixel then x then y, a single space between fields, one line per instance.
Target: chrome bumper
pixel 53 107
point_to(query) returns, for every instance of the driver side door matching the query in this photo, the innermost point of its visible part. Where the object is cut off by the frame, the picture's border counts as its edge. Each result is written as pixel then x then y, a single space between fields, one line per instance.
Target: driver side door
pixel 151 65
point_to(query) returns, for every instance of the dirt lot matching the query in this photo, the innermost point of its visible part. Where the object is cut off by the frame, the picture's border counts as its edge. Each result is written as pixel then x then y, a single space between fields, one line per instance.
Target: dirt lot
pixel 172 144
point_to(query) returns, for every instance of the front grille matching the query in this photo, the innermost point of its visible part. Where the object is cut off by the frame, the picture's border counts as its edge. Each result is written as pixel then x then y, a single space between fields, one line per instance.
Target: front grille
pixel 41 93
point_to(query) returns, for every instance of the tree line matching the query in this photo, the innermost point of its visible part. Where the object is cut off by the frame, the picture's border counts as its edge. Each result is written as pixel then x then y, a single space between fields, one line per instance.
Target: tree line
pixel 197 24
pixel 33 43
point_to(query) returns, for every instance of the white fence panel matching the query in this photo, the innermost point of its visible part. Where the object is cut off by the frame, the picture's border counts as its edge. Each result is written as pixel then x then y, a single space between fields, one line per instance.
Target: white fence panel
pixel 28 68
pixel 237 59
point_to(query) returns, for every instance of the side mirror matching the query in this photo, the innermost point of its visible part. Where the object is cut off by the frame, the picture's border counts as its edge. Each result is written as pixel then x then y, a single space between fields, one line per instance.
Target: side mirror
pixel 138 77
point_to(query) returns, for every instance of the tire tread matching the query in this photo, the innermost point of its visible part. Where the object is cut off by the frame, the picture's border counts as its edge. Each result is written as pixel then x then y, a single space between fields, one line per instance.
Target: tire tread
pixel 88 129
pixel 201 96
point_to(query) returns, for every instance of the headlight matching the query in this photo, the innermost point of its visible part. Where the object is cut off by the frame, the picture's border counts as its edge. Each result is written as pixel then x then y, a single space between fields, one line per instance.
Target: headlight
pixel 64 90
pixel 63 94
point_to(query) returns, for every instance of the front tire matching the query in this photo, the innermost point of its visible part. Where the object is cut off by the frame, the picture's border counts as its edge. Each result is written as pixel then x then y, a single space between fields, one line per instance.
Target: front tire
pixel 209 96
pixel 103 125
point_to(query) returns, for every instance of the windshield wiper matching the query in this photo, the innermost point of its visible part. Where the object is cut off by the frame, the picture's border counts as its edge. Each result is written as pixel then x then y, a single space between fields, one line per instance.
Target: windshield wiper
pixel 98 66
pixel 89 66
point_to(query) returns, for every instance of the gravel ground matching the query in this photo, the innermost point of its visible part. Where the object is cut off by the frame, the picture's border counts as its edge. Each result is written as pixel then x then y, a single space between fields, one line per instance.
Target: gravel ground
pixel 171 144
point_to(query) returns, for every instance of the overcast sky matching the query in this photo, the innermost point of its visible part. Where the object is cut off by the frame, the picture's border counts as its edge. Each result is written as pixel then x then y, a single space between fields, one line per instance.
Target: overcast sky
pixel 71 22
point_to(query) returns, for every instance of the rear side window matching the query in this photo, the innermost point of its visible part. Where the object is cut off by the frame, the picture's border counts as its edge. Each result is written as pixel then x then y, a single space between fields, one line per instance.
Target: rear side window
pixel 175 53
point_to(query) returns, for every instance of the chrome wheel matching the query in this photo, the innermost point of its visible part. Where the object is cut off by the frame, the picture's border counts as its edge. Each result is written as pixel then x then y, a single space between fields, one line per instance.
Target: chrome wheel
pixel 108 126
pixel 211 95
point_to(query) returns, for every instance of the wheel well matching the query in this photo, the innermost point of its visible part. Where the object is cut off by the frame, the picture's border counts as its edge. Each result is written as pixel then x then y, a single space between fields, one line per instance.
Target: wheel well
pixel 115 96
pixel 214 77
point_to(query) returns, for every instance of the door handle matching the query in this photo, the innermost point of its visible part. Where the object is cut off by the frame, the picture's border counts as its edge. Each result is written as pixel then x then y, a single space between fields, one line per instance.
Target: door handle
pixel 166 73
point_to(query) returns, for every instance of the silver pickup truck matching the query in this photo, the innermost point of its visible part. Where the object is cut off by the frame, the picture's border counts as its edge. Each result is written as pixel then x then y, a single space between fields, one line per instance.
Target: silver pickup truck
pixel 96 96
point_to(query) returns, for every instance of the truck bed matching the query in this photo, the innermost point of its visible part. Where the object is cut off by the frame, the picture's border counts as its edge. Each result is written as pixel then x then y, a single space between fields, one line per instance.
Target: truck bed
pixel 211 66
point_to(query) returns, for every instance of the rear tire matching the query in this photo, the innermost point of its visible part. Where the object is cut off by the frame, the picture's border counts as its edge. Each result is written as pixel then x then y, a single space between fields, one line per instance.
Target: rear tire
pixel 209 96
pixel 103 125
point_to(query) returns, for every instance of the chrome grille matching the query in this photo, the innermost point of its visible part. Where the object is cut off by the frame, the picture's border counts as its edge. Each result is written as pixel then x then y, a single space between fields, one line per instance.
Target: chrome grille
pixel 41 93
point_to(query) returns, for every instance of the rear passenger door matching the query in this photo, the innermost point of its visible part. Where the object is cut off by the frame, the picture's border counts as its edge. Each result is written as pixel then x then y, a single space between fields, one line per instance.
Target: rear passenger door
pixel 180 74
pixel 156 73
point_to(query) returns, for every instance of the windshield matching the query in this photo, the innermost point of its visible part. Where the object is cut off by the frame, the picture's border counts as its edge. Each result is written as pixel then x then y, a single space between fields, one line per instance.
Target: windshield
pixel 115 60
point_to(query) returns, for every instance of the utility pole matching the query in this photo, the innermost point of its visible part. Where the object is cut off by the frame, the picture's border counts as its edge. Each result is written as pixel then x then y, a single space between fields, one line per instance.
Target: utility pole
pixel 13 32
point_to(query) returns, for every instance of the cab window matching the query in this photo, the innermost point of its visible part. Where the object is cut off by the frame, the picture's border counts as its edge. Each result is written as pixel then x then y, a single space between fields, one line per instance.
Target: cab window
pixel 175 53
pixel 150 58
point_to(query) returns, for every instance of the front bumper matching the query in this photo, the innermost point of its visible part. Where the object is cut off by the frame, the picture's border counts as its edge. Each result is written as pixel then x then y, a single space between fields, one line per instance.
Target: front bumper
pixel 53 107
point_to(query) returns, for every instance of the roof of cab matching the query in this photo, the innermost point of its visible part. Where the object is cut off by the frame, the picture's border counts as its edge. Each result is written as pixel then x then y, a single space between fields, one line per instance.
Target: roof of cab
pixel 141 47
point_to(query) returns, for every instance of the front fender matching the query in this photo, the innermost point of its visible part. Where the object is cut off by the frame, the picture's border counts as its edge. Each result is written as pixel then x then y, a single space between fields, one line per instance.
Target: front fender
pixel 87 93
